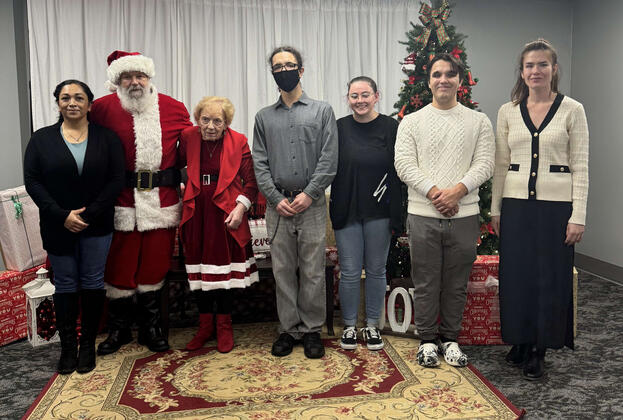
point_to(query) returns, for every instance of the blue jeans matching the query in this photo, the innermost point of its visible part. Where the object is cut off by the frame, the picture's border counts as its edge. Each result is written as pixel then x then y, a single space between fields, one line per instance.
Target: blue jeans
pixel 363 244
pixel 84 269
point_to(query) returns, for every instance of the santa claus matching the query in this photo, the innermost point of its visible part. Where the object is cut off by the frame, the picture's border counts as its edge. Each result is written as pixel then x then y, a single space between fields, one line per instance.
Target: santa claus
pixel 148 209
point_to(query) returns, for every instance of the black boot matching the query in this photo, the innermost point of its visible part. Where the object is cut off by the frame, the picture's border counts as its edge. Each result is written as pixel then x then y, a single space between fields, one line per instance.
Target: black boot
pixel 119 333
pixel 518 355
pixel 534 368
pixel 150 332
pixel 92 302
pixel 66 308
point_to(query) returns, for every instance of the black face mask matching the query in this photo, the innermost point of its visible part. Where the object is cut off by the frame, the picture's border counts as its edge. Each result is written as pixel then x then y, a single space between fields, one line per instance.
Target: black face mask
pixel 287 80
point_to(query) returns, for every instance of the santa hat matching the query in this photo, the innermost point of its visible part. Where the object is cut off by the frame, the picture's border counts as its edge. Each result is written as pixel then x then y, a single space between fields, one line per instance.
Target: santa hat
pixel 121 61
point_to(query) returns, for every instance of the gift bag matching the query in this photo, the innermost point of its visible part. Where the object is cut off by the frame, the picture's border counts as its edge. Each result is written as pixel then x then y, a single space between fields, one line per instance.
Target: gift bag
pixel 20 240
pixel 259 236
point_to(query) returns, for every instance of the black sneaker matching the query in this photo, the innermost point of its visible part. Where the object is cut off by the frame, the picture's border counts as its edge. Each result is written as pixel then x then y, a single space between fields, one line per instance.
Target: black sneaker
pixel 312 345
pixel 372 337
pixel 283 346
pixel 349 339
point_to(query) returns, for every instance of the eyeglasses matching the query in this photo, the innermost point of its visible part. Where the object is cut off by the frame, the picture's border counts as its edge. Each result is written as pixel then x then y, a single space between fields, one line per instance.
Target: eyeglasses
pixel 217 122
pixel 287 66
pixel 364 95
pixel 129 76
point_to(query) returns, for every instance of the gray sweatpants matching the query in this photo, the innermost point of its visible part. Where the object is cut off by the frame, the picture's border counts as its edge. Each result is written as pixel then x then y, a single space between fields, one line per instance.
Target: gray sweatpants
pixel 300 242
pixel 442 254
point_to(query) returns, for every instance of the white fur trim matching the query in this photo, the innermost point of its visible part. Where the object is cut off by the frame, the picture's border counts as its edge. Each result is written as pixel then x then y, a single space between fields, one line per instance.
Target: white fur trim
pixel 148 136
pixel 228 284
pixel 125 219
pixel 150 217
pixel 144 288
pixel 130 63
pixel 110 86
pixel 244 200
pixel 114 293
pixel 218 269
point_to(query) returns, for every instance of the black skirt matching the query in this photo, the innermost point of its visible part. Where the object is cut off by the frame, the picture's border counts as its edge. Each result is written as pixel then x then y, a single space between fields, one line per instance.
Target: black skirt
pixel 536 273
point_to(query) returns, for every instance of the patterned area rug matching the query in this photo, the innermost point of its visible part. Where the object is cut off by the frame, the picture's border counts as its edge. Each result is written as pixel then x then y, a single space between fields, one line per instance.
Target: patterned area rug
pixel 249 383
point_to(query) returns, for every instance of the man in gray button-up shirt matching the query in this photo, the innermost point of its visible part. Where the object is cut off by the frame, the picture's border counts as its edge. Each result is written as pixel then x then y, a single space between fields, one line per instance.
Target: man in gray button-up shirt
pixel 295 152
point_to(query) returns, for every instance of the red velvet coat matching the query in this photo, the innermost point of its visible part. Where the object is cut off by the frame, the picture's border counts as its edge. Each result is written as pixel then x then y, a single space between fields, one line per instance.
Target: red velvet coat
pixel 235 166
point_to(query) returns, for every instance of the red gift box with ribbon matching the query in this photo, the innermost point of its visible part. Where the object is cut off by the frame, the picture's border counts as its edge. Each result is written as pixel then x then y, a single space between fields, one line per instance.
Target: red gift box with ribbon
pixel 13 318
pixel 481 317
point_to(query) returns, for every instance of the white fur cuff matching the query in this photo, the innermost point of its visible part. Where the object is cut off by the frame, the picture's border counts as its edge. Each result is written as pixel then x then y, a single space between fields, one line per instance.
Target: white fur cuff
pixel 114 293
pixel 144 288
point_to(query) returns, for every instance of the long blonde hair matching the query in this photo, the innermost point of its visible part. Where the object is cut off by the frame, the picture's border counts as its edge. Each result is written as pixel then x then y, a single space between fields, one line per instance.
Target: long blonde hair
pixel 520 90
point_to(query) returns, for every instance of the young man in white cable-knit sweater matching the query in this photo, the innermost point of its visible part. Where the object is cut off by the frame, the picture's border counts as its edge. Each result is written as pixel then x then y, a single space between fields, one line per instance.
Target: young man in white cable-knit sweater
pixel 444 152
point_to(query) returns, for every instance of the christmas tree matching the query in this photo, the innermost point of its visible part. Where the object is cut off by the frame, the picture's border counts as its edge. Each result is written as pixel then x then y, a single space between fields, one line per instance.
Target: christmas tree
pixel 436 36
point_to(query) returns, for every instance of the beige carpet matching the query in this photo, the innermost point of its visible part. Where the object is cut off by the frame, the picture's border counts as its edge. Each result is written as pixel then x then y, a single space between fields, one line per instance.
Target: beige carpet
pixel 249 383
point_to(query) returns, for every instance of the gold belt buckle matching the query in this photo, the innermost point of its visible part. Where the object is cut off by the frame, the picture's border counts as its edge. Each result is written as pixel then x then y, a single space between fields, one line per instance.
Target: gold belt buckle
pixel 139 178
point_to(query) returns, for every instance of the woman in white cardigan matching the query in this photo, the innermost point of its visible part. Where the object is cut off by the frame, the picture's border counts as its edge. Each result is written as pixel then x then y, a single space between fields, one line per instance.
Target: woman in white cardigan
pixel 538 208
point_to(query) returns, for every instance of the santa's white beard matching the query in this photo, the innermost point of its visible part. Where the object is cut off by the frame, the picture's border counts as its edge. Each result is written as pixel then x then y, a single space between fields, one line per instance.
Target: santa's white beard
pixel 136 102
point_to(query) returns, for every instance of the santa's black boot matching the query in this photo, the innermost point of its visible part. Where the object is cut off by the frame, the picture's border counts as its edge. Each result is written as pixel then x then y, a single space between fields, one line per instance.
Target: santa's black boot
pixel 150 332
pixel 119 332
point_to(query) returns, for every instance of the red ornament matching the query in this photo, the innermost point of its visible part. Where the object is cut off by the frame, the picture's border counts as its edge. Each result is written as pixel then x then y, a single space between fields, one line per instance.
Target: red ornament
pixel 470 79
pixel 411 80
pixel 456 52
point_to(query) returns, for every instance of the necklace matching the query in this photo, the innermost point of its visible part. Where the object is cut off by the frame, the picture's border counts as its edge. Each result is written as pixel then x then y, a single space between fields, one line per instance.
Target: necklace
pixel 75 139
pixel 211 152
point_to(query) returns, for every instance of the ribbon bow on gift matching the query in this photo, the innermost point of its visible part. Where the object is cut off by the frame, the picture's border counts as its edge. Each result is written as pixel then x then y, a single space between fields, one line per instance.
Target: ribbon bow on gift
pixel 437 18
pixel 19 211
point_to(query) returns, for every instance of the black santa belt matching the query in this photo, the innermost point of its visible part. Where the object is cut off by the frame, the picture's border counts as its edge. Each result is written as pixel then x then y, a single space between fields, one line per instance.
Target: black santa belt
pixel 147 180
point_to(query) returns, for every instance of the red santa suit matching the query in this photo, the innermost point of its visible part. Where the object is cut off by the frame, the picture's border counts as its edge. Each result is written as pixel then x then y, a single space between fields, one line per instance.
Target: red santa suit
pixel 145 219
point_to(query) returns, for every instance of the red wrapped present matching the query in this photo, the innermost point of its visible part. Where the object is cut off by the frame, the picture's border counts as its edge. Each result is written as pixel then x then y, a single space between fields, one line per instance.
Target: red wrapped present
pixel 13 322
pixel 481 317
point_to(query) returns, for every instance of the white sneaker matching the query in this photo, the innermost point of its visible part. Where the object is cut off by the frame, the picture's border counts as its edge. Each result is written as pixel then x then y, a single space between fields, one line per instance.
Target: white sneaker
pixel 427 355
pixel 372 337
pixel 349 339
pixel 453 354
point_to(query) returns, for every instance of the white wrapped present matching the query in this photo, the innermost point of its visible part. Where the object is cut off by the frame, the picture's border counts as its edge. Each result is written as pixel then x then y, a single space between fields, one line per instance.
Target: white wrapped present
pixel 20 240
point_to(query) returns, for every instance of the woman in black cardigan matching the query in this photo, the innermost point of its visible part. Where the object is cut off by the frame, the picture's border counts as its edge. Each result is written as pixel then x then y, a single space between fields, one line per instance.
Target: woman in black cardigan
pixel 74 171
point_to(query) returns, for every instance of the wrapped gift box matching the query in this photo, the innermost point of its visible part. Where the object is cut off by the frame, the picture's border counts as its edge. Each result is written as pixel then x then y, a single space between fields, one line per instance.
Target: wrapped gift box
pixel 20 240
pixel 481 317
pixel 13 322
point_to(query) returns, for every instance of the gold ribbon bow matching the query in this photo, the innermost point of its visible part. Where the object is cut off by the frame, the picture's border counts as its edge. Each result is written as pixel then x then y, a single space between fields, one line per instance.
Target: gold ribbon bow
pixel 437 18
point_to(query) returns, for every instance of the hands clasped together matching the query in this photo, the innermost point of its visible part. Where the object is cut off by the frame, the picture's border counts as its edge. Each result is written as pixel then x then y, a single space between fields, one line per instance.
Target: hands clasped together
pixel 446 201
pixel 298 205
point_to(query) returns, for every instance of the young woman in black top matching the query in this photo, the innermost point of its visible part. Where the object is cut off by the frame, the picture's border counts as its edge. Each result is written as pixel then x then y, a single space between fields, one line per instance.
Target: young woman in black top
pixel 74 171
pixel 365 208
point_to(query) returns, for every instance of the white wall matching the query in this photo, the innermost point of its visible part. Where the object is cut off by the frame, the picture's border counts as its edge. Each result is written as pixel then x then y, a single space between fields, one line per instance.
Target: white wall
pixel 497 31
pixel 10 136
pixel 597 64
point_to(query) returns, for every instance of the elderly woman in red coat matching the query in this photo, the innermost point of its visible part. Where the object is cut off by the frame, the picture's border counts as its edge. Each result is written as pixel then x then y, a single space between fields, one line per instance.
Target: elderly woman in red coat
pixel 215 231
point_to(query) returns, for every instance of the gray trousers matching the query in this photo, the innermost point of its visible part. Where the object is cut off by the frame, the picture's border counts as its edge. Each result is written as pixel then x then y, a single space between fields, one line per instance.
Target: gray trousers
pixel 442 254
pixel 299 243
